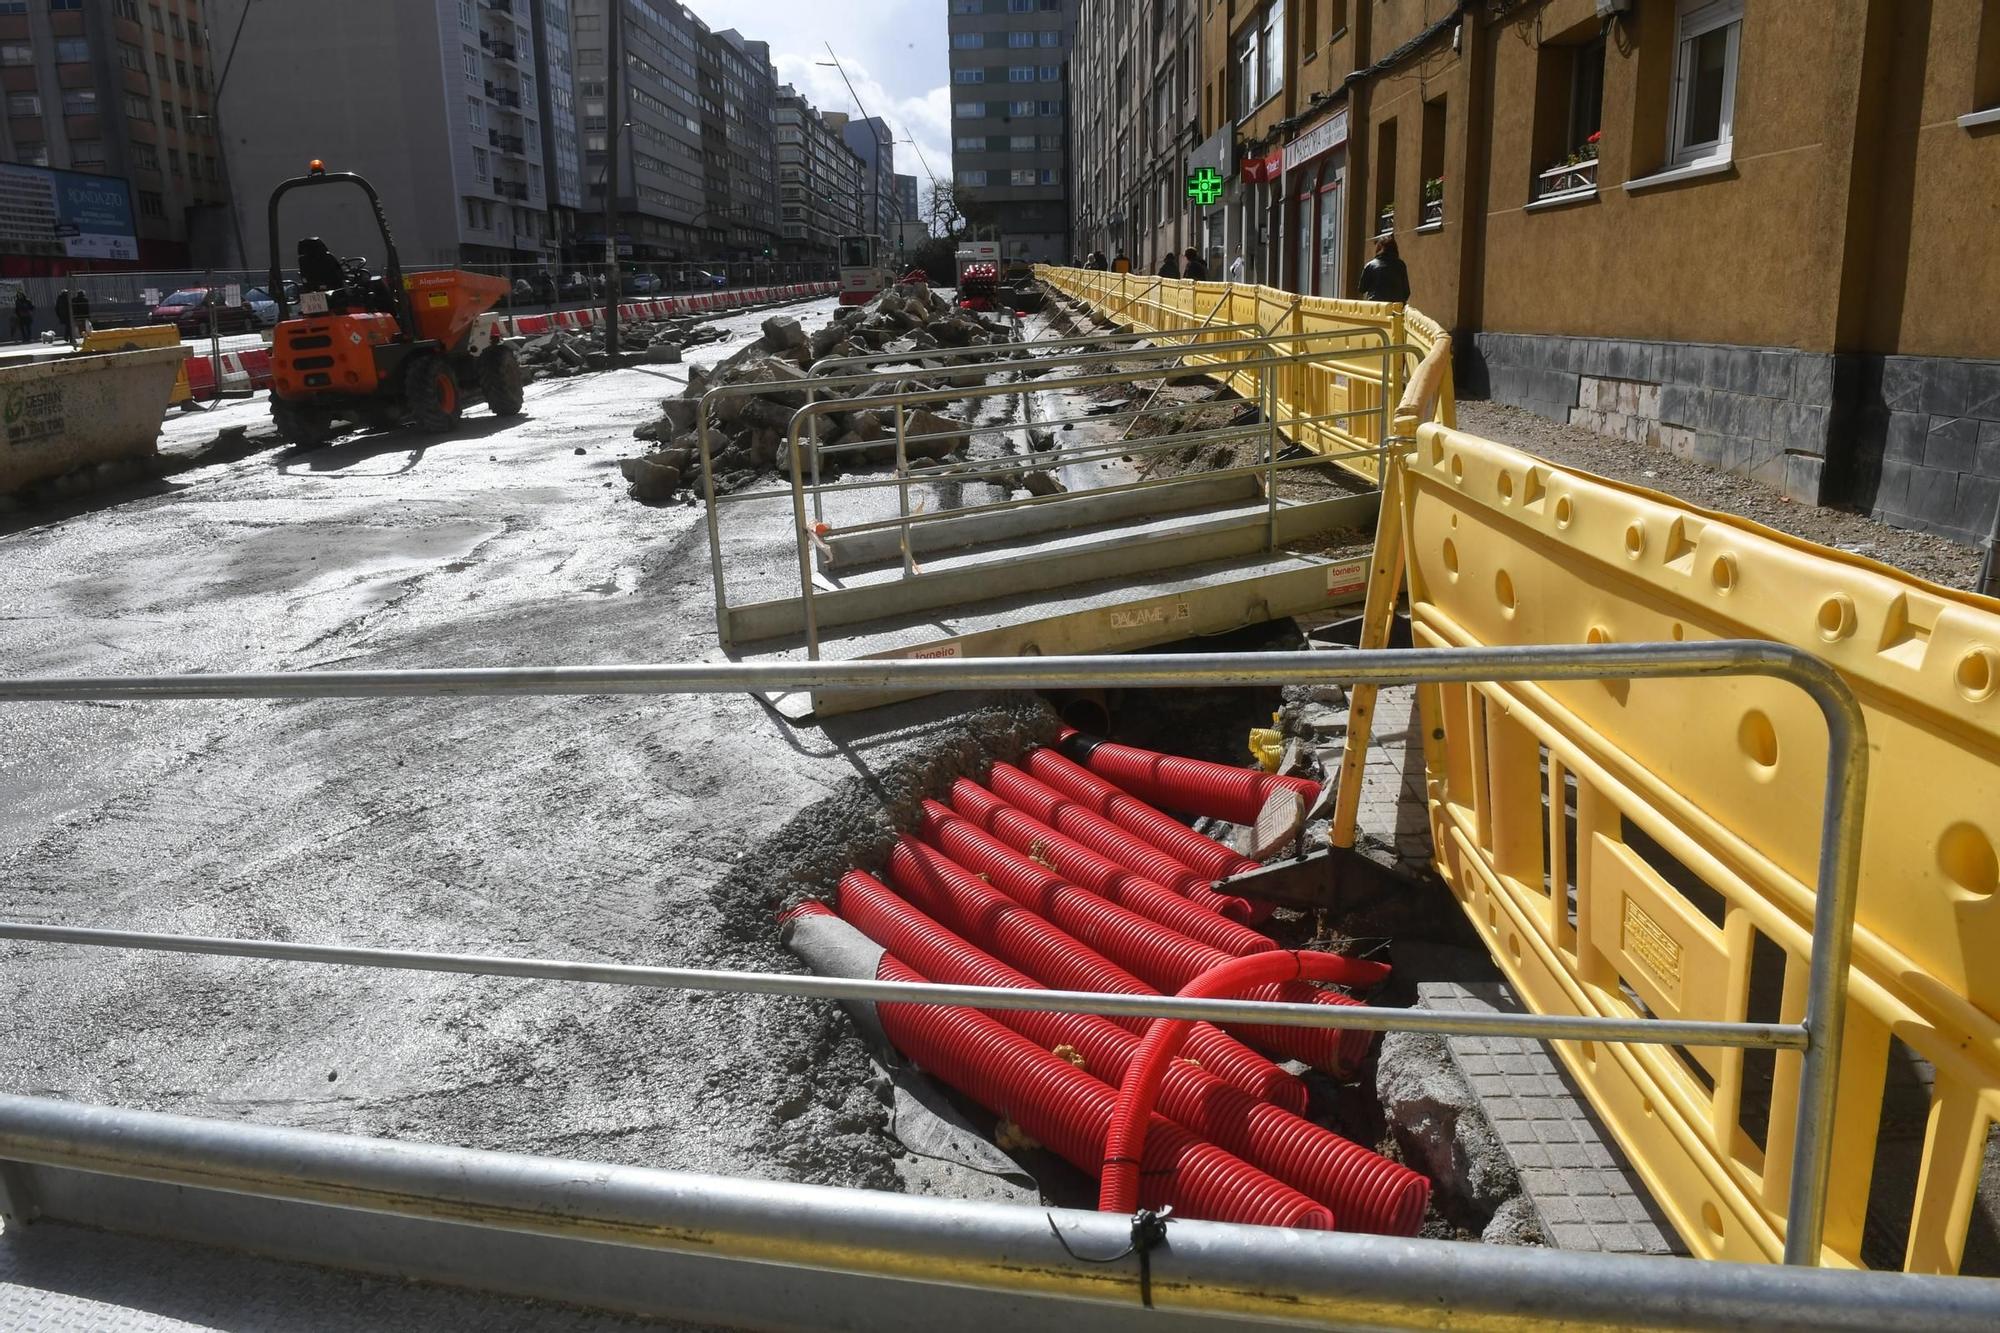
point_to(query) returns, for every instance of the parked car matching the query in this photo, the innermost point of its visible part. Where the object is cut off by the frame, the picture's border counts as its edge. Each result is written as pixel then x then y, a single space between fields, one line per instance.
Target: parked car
pixel 189 308
pixel 263 307
pixel 641 284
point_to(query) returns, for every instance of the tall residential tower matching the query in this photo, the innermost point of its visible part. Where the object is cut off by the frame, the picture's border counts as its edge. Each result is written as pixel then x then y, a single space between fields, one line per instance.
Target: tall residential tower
pixel 1010 121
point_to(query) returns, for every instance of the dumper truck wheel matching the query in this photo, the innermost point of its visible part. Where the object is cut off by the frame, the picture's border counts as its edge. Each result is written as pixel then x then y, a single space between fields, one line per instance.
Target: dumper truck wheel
pixel 432 393
pixel 502 380
pixel 301 426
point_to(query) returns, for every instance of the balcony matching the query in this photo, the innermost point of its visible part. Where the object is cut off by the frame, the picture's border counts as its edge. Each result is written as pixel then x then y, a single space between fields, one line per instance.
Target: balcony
pixel 1575 177
pixel 493 46
pixel 506 143
pixel 511 189
pixel 500 6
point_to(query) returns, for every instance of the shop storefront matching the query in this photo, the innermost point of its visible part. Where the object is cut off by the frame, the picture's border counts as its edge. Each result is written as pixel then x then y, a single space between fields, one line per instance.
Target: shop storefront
pixel 1315 173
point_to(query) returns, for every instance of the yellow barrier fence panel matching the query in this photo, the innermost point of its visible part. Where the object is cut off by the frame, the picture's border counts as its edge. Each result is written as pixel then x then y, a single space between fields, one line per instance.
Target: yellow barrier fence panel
pixel 1648 847
pixel 144 335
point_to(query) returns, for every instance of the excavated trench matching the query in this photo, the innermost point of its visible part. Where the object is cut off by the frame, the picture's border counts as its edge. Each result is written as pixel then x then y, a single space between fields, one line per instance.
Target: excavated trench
pixel 1404 1100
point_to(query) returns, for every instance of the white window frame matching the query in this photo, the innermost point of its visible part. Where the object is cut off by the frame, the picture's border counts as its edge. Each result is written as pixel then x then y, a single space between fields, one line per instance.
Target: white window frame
pixel 1696 19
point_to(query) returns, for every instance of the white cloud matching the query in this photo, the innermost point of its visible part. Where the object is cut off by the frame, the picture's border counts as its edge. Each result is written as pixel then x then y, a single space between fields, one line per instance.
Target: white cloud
pixel 894 52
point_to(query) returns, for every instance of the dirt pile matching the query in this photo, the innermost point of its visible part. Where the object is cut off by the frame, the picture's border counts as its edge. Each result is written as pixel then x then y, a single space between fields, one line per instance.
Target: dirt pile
pixel 747 427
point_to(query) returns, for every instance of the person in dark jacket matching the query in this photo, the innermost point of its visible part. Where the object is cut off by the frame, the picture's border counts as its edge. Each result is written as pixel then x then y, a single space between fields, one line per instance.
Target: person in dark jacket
pixel 24 316
pixel 1121 263
pixel 1384 278
pixel 62 315
pixel 1170 267
pixel 79 312
pixel 1192 266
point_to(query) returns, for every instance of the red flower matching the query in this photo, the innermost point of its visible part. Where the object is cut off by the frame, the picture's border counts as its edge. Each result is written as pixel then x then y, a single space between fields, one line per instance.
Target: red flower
pixel 1595 135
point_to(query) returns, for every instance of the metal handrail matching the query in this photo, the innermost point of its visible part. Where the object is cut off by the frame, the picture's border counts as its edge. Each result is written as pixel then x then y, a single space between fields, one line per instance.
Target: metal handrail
pixel 1836 884
pixel 1265 366
pixel 806 534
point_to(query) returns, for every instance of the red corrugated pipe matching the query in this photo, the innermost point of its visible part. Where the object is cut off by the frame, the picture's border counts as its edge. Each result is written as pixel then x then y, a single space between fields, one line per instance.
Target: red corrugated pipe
pixel 955 896
pixel 1124 1146
pixel 1162 958
pixel 1100 835
pixel 1194 786
pixel 1204 855
pixel 1067 1111
pixel 1366 1191
pixel 1080 866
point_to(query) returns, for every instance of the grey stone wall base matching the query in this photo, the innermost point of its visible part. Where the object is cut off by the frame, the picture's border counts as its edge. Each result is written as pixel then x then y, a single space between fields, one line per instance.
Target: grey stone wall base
pixel 1913 441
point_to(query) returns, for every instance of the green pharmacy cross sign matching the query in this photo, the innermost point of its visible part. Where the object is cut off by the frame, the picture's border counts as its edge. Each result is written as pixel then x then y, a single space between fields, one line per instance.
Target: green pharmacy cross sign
pixel 1205 186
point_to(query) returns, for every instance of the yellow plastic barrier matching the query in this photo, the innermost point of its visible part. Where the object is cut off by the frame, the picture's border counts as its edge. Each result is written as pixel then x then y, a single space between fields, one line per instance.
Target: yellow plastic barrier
pixel 1648 847
pixel 144 335
pixel 1345 376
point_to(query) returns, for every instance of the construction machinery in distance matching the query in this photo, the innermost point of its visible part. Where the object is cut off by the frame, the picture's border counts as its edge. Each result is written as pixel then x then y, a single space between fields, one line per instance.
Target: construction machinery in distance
pixel 382 350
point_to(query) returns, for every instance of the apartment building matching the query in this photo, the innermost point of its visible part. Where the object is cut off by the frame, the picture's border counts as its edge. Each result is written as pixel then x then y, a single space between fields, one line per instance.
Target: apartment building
pixel 874 143
pixel 118 89
pixel 455 110
pixel 907 208
pixel 697 174
pixel 1758 233
pixel 1134 87
pixel 819 181
pixel 1010 120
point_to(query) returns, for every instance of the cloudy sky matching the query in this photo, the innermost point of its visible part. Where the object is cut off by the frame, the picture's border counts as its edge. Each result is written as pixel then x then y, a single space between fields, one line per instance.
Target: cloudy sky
pixel 894 52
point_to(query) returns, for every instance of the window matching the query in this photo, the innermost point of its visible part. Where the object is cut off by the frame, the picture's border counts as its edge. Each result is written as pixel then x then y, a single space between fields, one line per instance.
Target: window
pixel 24 104
pixel 479 167
pixel 1986 64
pixel 1052 37
pixel 968 110
pixel 131 57
pixel 1271 46
pixel 1021 143
pixel 151 205
pixel 181 72
pixel 32 154
pixel 72 51
pixel 466 17
pixel 127 9
pixel 79 101
pixel 968 6
pixel 167 114
pixel 86 153
pixel 969 143
pixel 1704 107
pixel 174 160
pixel 16 53
pixel 1023 176
pixel 968 76
pixel 1431 164
pixel 144 156
pixel 65 4
pixel 1048 73
pixel 1384 172
pixel 1021 108
pixel 160 62
pixel 475 112
pixel 1020 39
pixel 174 22
pixel 968 41
pixel 1020 74
pixel 972 178
pixel 1020 6
pixel 1308 26
pixel 468 59
pixel 159 20
pixel 1586 97
pixel 137 107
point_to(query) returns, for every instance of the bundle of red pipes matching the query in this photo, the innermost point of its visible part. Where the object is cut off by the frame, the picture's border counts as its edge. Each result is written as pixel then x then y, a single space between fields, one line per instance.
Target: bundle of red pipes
pixel 1059 874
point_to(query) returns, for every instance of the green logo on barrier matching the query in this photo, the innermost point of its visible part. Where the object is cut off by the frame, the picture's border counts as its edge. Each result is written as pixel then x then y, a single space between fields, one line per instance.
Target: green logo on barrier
pixel 15 401
pixel 1205 186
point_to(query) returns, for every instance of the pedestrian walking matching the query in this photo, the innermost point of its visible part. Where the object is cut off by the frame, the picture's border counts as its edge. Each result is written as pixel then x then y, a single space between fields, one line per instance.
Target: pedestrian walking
pixel 1236 268
pixel 1170 267
pixel 1193 268
pixel 62 315
pixel 1384 278
pixel 79 313
pixel 1121 263
pixel 24 317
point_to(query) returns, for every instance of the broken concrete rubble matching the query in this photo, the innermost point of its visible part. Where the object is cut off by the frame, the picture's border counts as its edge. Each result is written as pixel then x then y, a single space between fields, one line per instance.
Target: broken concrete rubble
pixel 748 430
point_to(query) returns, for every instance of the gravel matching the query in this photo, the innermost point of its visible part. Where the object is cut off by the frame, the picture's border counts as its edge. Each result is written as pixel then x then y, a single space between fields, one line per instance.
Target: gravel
pixel 1933 559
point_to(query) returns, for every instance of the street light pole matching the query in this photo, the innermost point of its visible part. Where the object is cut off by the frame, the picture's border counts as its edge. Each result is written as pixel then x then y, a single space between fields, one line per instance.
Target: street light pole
pixel 614 117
